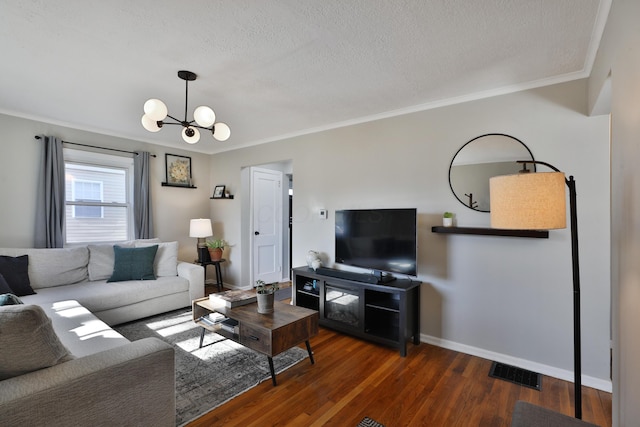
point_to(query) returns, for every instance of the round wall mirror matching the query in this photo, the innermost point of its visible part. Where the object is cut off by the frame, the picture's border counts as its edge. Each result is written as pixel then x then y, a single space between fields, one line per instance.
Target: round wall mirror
pixel 480 159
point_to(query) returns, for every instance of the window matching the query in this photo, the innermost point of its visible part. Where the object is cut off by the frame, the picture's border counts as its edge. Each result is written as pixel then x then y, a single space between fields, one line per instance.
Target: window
pixel 98 197
pixel 86 191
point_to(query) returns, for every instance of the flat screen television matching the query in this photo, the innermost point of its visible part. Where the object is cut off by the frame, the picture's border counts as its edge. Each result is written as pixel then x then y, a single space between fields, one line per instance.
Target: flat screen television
pixel 383 240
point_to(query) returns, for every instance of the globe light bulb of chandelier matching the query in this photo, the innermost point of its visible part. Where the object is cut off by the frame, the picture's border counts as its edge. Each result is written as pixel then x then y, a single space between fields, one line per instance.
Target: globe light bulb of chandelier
pixel 150 124
pixel 221 131
pixel 155 109
pixel 204 116
pixel 190 135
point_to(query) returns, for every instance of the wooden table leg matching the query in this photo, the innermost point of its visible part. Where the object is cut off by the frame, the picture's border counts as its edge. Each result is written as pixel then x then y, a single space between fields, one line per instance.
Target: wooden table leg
pixel 273 372
pixel 201 337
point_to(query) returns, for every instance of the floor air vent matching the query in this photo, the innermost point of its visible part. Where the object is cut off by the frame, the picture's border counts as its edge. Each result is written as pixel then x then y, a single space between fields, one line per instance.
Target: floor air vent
pixel 516 375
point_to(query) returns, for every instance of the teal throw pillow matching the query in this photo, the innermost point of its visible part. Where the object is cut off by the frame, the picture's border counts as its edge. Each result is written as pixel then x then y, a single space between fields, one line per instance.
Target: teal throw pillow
pixel 9 299
pixel 133 263
pixel 16 272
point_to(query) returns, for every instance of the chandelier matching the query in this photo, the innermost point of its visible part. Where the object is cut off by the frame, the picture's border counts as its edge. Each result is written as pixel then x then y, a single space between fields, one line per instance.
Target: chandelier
pixel 156 113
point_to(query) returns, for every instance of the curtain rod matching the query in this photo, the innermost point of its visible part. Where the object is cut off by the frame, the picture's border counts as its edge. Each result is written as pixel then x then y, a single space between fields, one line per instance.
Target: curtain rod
pixel 99 148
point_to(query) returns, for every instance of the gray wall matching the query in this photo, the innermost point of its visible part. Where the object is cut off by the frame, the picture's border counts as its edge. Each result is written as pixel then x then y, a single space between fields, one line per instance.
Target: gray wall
pixel 617 66
pixel 500 298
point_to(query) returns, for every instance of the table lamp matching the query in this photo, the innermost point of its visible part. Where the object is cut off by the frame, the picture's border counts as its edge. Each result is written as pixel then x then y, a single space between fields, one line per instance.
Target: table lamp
pixel 201 228
pixel 537 201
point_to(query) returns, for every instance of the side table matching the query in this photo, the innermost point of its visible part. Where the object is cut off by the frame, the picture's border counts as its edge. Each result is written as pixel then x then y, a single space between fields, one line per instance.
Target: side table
pixel 216 264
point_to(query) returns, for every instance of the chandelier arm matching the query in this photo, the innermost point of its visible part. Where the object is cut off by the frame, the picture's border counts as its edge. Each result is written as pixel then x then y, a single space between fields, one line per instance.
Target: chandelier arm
pixel 200 127
pixel 177 121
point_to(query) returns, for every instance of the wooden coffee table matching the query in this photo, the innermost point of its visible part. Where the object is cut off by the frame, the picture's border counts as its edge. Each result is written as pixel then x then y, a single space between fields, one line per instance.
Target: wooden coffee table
pixel 269 334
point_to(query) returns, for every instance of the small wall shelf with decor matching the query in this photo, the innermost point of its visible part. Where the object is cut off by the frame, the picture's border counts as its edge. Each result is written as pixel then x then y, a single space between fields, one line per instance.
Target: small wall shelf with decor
pixel 536 234
pixel 220 192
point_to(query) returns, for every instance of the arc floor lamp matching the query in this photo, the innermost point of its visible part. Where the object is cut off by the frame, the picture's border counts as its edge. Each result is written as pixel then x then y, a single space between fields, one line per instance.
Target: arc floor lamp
pixel 537 201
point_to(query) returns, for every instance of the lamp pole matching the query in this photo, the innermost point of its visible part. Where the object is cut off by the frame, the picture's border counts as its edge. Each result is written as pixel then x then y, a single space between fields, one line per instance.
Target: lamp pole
pixel 577 359
pixel 577 345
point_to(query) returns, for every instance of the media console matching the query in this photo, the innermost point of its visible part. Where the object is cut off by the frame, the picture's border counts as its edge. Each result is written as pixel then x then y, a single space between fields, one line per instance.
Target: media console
pixel 384 313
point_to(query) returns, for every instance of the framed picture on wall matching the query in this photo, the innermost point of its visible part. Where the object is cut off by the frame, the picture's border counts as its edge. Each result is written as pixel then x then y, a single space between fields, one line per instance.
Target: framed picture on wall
pixel 178 170
pixel 218 192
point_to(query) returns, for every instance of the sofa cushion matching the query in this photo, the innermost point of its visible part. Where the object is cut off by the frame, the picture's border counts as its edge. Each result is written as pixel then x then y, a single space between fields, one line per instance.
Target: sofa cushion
pixel 101 296
pixel 9 299
pixel 27 341
pixel 4 286
pixel 15 270
pixel 79 330
pixel 133 263
pixel 166 262
pixel 53 267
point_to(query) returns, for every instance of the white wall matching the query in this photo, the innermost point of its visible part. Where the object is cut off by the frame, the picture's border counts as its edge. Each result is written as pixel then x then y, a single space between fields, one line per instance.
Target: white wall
pixel 619 59
pixel 20 161
pixel 507 298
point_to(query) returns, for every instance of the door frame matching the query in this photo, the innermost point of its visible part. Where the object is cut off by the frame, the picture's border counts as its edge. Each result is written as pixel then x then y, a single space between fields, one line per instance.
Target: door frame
pixel 246 274
pixel 278 246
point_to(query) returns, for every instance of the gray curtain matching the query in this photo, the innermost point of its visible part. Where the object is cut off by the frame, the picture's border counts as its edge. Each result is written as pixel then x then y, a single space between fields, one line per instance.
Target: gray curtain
pixel 141 196
pixel 49 230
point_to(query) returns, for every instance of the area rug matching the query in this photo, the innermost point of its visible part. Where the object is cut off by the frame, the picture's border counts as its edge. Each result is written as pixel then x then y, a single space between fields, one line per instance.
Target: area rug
pixel 209 376
pixel 368 422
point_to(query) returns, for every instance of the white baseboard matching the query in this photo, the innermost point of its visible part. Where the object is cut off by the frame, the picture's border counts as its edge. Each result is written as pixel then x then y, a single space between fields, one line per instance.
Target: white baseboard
pixel 563 374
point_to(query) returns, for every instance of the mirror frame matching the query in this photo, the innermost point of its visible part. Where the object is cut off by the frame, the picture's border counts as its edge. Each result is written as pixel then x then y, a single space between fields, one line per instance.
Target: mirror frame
pixel 475 139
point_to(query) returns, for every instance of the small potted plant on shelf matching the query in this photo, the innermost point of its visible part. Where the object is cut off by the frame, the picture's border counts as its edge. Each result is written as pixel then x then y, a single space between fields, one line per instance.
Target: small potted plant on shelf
pixel 265 294
pixel 447 219
pixel 216 246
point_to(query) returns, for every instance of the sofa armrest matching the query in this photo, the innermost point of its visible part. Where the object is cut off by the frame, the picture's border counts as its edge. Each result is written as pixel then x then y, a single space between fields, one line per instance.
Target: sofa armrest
pixel 526 414
pixel 194 273
pixel 129 385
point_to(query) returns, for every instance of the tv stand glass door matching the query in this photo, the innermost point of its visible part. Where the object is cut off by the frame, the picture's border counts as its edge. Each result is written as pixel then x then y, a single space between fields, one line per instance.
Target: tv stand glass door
pixel 342 305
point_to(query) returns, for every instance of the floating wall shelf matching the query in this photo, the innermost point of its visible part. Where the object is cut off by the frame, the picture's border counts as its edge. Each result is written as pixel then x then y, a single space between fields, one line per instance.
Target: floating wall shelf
pixel 537 234
pixel 166 184
pixel 230 196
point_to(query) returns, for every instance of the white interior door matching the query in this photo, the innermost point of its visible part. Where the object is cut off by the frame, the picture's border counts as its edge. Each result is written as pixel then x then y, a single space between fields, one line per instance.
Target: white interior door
pixel 266 209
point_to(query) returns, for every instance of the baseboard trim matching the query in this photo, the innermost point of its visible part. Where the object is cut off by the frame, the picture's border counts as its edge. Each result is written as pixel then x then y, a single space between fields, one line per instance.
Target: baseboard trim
pixel 563 374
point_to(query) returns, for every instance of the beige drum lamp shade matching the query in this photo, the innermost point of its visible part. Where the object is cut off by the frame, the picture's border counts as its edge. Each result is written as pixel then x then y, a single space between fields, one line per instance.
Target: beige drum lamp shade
pixel 528 201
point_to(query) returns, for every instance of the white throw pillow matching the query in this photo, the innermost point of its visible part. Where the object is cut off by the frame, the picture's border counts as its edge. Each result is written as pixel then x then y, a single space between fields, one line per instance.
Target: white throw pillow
pixel 166 262
pixel 102 259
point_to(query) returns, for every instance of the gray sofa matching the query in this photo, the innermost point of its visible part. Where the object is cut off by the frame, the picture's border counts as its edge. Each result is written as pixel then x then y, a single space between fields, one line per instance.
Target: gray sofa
pixel 106 379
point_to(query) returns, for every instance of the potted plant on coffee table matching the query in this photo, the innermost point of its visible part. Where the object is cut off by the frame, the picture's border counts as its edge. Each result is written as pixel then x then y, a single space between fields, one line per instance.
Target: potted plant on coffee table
pixel 265 294
pixel 215 247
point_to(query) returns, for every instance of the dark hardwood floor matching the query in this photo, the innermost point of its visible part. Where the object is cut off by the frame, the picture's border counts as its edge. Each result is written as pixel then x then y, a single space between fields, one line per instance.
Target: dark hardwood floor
pixel 432 386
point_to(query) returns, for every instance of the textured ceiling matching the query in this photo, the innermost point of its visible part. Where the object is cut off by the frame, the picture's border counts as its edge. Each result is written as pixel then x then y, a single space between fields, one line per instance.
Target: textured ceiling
pixel 277 68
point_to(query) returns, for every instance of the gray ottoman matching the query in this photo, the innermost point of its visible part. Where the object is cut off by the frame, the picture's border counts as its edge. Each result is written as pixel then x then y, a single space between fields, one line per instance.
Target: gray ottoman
pixel 527 415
